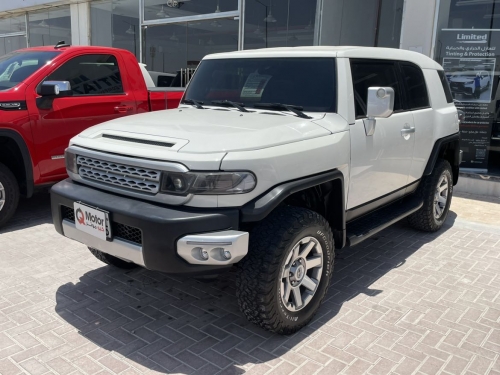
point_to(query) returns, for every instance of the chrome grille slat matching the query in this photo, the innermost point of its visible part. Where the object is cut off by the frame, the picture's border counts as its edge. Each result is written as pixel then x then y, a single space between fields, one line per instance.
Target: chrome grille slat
pixel 128 177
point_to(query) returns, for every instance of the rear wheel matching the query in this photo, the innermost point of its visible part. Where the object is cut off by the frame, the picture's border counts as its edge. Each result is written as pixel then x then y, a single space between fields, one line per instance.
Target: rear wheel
pixel 9 194
pixel 436 191
pixel 112 260
pixel 285 276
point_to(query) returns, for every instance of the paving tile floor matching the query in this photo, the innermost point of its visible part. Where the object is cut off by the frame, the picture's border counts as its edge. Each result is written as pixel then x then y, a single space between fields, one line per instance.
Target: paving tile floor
pixel 403 302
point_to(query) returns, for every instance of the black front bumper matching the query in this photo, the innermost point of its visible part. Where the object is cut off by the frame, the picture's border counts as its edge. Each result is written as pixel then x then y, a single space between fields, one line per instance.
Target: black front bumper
pixel 154 227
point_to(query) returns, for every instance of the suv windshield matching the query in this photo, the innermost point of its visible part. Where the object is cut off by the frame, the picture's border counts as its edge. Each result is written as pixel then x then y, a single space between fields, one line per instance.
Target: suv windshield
pixel 308 83
pixel 15 67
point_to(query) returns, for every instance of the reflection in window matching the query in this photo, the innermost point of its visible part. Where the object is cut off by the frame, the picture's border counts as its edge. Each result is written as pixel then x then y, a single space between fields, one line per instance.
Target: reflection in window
pixel 166 9
pixel 90 75
pixel 46 28
pixel 115 24
pixel 12 24
pixel 279 23
pixel 174 51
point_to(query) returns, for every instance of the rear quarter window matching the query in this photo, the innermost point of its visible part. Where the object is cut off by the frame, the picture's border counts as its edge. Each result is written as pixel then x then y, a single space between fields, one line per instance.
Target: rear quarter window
pixel 446 86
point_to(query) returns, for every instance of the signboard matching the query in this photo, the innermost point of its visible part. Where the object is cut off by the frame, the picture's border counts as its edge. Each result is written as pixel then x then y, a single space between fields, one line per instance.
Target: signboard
pixel 469 58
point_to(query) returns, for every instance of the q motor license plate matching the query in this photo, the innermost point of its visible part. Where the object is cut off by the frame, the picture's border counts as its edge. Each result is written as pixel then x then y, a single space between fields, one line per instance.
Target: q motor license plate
pixel 92 221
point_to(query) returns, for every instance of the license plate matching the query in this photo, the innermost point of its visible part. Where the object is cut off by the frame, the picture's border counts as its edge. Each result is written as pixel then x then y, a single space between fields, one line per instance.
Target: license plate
pixel 92 220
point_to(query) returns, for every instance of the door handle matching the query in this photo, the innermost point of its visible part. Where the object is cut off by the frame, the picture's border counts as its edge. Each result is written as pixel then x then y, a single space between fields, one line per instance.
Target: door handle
pixel 408 130
pixel 123 108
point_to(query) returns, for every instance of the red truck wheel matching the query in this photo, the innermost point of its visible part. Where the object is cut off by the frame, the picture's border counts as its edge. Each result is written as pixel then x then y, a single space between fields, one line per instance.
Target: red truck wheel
pixel 9 194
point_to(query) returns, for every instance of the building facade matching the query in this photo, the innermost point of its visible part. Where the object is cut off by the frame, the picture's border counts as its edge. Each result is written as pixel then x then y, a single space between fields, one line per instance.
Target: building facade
pixel 172 36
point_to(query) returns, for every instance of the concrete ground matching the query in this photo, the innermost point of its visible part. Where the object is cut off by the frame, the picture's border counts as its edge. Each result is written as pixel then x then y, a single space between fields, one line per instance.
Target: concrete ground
pixel 403 302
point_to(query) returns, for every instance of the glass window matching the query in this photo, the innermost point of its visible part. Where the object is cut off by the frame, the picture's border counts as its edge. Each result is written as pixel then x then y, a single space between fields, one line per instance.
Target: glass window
pixel 17 66
pixel 369 73
pixel 281 23
pixel 416 88
pixel 12 24
pixel 46 28
pixel 166 9
pixel 90 75
pixel 12 43
pixel 270 80
pixel 115 24
pixel 446 86
pixel 173 51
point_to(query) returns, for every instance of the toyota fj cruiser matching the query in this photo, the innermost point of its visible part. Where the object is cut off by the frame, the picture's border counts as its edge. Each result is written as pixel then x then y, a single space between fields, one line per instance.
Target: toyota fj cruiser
pixel 274 159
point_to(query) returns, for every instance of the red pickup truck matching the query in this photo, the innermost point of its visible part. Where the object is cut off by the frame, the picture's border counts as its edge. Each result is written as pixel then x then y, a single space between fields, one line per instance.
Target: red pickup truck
pixel 50 94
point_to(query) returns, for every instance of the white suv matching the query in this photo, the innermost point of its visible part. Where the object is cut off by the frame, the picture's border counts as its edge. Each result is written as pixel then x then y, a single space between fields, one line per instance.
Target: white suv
pixel 274 159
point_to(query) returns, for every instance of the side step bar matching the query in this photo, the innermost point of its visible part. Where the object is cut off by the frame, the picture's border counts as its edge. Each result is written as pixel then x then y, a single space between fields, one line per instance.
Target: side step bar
pixel 366 226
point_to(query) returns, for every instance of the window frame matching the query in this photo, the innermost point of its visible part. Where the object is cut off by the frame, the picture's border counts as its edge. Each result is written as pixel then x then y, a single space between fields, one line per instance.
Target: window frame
pixel 120 70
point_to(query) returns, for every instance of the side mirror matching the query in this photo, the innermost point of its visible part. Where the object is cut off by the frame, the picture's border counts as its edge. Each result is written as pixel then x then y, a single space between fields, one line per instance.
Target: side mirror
pixel 380 103
pixel 55 88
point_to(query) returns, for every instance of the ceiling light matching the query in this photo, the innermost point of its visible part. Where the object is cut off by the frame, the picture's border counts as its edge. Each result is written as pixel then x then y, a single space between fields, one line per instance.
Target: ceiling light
pixel 216 24
pixel 218 9
pixel 162 13
pixel 174 37
pixel 270 18
pixel 130 30
pixel 43 24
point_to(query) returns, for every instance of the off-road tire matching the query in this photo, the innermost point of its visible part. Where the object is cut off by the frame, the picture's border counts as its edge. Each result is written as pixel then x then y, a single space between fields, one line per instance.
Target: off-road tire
pixel 111 260
pixel 258 277
pixel 424 218
pixel 11 190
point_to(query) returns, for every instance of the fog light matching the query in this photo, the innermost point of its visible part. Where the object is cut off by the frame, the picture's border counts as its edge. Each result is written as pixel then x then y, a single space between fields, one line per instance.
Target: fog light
pixel 226 254
pixel 203 253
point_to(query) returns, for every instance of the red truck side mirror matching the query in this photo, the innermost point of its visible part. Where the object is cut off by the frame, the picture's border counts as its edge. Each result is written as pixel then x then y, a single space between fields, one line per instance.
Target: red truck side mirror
pixel 55 88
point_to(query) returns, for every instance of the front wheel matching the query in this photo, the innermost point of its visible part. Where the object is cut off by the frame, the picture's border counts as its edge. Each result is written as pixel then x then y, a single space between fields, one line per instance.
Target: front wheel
pixel 9 194
pixel 285 276
pixel 436 191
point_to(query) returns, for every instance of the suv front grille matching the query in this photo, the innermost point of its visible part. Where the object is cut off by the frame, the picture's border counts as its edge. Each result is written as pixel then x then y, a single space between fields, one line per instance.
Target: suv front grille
pixel 118 230
pixel 125 176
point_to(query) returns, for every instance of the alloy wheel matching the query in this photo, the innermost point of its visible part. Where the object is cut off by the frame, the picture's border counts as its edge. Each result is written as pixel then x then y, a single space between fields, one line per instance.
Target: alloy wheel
pixel 301 274
pixel 441 197
pixel 2 196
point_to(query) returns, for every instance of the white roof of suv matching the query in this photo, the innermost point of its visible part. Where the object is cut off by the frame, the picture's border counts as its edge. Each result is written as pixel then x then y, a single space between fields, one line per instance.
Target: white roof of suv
pixel 326 51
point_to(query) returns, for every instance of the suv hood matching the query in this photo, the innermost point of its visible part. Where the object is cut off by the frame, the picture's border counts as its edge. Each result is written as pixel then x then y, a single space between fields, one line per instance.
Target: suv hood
pixel 203 131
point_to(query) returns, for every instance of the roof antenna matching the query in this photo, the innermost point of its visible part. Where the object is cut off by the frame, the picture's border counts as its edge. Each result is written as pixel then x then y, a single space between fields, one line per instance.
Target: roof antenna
pixel 61 44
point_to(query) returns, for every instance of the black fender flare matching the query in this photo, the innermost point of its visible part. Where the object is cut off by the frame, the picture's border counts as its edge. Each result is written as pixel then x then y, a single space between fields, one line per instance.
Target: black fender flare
pixel 451 141
pixel 28 168
pixel 260 207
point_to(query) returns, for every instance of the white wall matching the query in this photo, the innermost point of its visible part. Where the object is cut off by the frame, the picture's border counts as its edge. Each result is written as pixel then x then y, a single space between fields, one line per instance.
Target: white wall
pixel 80 24
pixel 418 25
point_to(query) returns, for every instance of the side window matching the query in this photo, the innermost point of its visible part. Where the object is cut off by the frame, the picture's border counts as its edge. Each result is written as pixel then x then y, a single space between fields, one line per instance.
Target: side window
pixel 446 86
pixel 90 75
pixel 368 73
pixel 415 85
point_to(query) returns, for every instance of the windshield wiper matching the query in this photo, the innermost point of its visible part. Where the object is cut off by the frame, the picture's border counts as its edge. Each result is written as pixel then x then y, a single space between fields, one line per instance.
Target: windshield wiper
pixel 195 103
pixel 237 105
pixel 297 109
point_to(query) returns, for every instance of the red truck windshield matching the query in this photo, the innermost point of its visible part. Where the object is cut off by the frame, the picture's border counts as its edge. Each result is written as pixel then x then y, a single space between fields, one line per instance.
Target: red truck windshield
pixel 15 67
pixel 308 83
